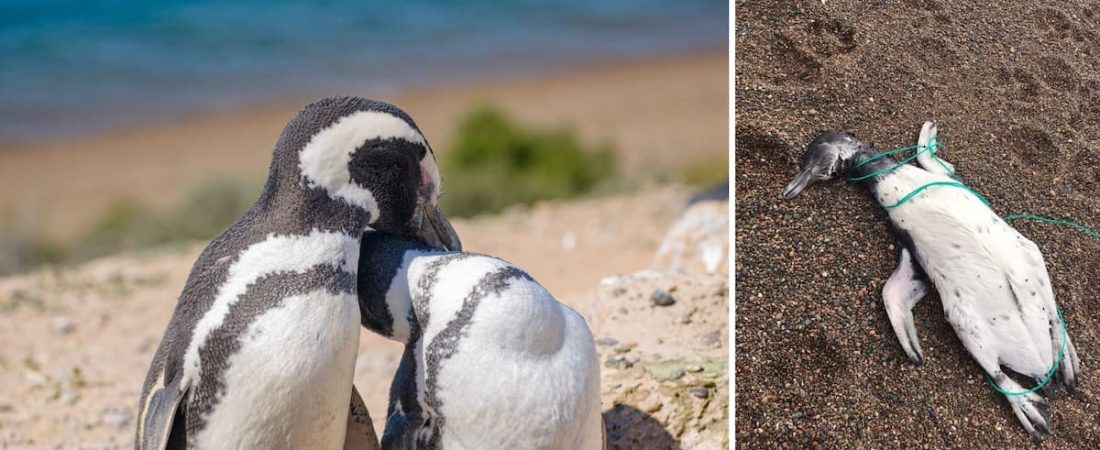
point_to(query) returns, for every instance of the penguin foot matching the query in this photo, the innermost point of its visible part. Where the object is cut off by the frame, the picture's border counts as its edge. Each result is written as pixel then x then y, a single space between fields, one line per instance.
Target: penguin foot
pixel 926 159
pixel 1030 409
pixel 1071 366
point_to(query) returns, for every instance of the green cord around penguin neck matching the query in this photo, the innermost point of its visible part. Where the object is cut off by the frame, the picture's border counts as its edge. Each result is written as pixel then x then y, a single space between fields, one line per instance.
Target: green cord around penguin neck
pixel 931 148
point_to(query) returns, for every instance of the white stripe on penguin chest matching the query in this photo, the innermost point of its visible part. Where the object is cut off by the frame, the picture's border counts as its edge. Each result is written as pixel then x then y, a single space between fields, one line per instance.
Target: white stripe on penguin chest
pixel 288 385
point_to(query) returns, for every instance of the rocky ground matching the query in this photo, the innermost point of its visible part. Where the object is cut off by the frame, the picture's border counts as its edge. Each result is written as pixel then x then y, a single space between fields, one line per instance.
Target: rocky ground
pixel 1014 89
pixel 75 342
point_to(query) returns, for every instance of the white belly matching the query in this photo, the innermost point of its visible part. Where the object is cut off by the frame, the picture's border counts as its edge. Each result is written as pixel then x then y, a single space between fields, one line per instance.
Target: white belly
pixel 538 378
pixel 289 385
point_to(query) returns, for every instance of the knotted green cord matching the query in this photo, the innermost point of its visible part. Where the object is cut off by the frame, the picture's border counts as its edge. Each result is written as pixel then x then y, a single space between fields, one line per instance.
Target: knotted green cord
pixel 931 147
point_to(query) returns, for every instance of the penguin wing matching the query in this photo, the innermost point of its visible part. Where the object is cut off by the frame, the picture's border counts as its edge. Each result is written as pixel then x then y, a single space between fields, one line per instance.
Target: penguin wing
pixel 162 423
pixel 901 293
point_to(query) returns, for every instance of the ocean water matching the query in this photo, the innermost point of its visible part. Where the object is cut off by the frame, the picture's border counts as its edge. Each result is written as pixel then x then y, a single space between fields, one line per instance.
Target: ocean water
pixel 73 66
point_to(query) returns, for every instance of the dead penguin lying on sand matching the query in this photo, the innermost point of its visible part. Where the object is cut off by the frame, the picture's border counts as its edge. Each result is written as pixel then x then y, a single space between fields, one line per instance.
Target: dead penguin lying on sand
pixel 261 349
pixel 992 281
pixel 492 360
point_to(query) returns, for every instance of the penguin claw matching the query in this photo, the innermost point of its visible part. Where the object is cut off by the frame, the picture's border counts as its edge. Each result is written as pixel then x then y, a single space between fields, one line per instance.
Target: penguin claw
pixel 914 353
pixel 1031 410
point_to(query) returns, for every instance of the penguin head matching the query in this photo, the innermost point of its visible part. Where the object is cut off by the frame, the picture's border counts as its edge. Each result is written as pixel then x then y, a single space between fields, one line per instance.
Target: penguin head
pixel 368 155
pixel 829 155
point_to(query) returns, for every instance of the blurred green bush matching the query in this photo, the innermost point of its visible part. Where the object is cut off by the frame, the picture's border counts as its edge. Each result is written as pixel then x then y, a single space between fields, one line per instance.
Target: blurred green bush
pixel 494 163
pixel 205 211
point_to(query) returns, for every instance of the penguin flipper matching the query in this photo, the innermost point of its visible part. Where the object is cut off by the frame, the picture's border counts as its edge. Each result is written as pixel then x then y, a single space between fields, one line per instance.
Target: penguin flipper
pixel 400 432
pixel 901 293
pixel 360 434
pixel 942 167
pixel 163 420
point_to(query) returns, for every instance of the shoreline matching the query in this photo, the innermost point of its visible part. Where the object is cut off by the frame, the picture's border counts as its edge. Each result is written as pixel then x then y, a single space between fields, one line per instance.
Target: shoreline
pixel 59 185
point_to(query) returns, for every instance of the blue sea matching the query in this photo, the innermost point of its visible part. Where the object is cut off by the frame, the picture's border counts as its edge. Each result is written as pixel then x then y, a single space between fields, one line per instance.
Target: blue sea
pixel 73 66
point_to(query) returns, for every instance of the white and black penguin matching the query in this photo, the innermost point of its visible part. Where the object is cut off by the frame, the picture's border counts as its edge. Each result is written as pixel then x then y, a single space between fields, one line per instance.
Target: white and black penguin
pixel 491 361
pixel 992 281
pixel 260 351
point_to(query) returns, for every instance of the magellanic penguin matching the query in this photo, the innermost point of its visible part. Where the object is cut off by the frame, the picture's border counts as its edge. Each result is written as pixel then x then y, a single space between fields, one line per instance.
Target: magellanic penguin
pixel 261 349
pixel 492 360
pixel 992 281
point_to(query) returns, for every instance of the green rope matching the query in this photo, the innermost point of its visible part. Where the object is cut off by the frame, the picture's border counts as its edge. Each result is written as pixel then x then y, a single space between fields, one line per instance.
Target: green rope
pixel 1053 369
pixel 1067 223
pixel 931 147
pixel 936 183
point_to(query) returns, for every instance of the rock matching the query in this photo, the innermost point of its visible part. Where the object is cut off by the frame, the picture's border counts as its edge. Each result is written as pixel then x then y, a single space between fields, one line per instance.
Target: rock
pixel 699 392
pixel 665 371
pixel 569 241
pixel 626 348
pixel 712 339
pixel 607 341
pixel 68 396
pixel 117 418
pixel 63 324
pixel 693 369
pixel 661 297
pixel 618 362
pixel 650 405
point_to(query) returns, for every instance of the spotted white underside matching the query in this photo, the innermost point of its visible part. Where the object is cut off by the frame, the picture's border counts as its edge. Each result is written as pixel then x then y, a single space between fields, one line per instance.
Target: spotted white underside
pixel 980 266
pixel 298 399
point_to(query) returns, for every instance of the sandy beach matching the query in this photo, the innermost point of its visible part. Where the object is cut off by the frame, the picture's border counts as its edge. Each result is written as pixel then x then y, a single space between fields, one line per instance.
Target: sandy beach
pixel 1013 90
pixel 660 113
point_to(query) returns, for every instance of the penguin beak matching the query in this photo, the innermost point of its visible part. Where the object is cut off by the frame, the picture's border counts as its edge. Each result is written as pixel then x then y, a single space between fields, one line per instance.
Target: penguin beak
pixel 800 181
pixel 431 226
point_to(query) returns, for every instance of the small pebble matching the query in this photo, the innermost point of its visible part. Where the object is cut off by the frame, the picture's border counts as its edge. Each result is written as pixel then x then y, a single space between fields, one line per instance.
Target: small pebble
pixel 116 418
pixel 693 369
pixel 68 396
pixel 711 339
pixel 661 297
pixel 625 347
pixel 63 324
pixel 607 341
pixel 650 406
pixel 699 392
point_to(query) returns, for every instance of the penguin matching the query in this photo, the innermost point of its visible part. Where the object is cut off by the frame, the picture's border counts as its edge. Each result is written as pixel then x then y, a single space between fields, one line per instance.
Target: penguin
pixel 491 360
pixel 260 350
pixel 992 281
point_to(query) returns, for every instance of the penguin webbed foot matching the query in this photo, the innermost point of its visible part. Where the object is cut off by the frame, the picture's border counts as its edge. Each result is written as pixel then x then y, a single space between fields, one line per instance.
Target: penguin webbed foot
pixel 1030 409
pixel 1071 366
pixel 927 160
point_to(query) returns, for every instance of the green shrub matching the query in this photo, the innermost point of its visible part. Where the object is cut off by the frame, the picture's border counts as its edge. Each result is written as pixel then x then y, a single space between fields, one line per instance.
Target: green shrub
pixel 705 172
pixel 495 163
pixel 203 213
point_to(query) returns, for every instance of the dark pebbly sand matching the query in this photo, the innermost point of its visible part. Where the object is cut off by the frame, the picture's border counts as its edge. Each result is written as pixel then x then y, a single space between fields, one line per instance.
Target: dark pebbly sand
pixel 1015 90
